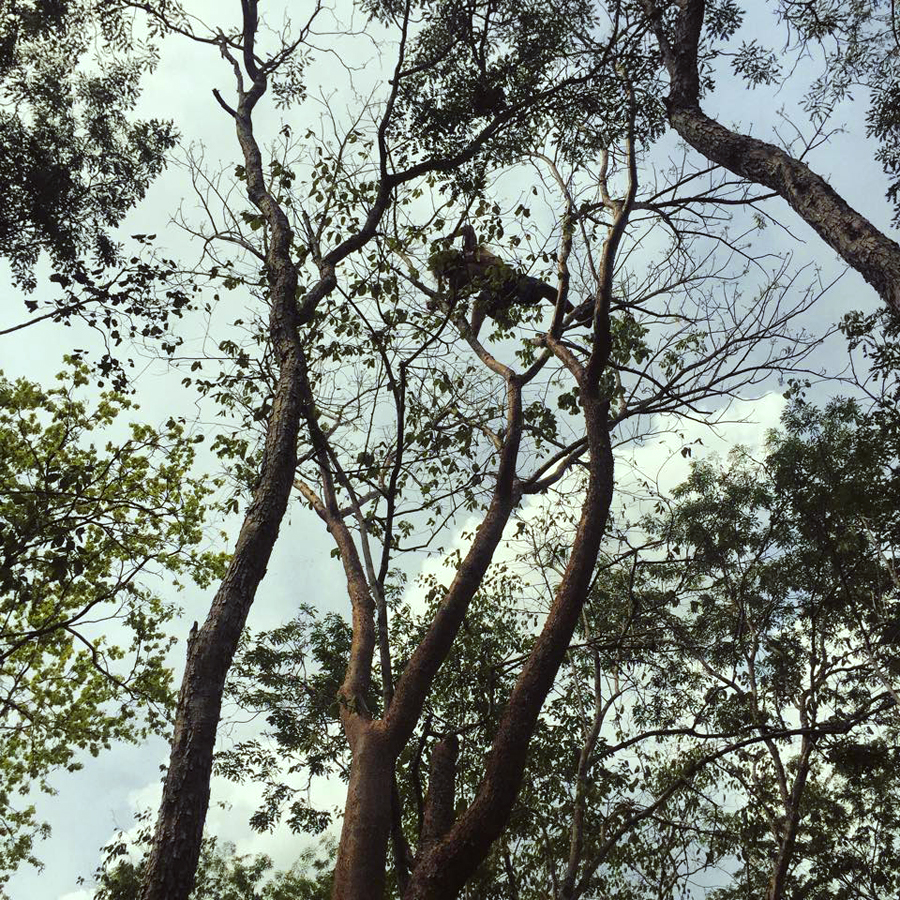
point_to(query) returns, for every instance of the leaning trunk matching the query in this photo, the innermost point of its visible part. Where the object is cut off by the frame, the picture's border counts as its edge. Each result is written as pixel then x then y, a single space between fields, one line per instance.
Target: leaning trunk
pixel 861 245
pixel 443 871
pixel 176 847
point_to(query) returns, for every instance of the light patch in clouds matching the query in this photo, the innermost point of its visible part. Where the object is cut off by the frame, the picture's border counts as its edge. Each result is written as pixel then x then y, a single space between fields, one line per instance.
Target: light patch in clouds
pixel 747 423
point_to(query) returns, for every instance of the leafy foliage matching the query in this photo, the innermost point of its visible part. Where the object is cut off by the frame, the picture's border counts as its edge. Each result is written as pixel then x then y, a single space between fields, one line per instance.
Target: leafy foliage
pixel 291 676
pixel 788 594
pixel 71 161
pixel 224 874
pixel 83 650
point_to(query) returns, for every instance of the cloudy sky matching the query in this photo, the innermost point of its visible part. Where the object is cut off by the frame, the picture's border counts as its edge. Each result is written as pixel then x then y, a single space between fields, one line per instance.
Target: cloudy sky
pixel 93 803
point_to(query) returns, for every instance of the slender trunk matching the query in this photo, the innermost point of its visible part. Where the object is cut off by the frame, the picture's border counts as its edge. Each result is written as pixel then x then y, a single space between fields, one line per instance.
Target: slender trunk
pixel 438 814
pixel 442 873
pixel 582 782
pixel 782 863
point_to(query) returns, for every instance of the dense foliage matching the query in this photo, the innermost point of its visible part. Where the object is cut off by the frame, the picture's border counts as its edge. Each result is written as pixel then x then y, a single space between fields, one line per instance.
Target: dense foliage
pixel 83 530
pixel 72 163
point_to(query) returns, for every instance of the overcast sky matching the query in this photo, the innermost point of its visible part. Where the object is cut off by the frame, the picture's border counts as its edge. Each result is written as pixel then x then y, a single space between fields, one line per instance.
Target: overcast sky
pixel 93 803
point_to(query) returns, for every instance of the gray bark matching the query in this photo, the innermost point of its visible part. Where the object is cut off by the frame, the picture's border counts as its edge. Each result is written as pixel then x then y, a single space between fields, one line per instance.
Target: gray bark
pixel 172 863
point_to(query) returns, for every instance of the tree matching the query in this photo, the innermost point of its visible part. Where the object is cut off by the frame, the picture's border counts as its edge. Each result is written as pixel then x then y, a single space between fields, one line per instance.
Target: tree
pixel 371 398
pixel 457 401
pixel 71 162
pixel 476 405
pixel 74 162
pixel 83 644
pixel 186 792
pixel 792 559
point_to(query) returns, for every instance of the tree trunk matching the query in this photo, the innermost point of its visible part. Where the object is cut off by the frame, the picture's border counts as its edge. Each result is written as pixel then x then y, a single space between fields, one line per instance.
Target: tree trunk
pixel 860 244
pixel 782 864
pixel 172 864
pixel 442 873
pixel 176 846
pixel 439 804
pixel 360 869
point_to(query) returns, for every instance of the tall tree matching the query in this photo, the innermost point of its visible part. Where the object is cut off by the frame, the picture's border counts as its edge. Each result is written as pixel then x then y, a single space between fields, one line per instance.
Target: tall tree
pixel 384 451
pixel 788 571
pixel 292 310
pixel 389 406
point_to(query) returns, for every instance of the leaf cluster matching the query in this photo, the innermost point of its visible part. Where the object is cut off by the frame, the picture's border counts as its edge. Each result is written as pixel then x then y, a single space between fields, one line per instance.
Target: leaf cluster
pixel 72 160
pixel 83 645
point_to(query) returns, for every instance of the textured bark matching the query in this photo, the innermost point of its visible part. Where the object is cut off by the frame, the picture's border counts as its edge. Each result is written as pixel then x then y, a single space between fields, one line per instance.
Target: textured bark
pixel 171 867
pixel 360 868
pixel 859 243
pixel 438 815
pixel 176 848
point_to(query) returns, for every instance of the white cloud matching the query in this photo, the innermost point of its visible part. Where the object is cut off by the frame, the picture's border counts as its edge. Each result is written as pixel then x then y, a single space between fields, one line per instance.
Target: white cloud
pixel 746 422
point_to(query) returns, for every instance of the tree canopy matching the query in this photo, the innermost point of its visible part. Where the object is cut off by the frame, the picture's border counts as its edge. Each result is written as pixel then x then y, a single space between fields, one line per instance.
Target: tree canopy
pixel 72 161
pixel 83 647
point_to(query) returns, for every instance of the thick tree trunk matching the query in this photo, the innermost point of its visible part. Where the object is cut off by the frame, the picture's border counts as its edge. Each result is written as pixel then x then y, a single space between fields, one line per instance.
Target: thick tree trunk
pixel 172 864
pixel 360 869
pixel 439 804
pixel 861 245
pixel 176 847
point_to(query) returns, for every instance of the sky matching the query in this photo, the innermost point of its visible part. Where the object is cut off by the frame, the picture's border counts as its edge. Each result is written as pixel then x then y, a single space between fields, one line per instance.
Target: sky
pixel 102 798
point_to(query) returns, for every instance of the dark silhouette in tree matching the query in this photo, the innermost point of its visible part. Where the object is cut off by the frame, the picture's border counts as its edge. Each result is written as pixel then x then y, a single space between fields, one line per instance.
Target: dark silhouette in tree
pixel 497 288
